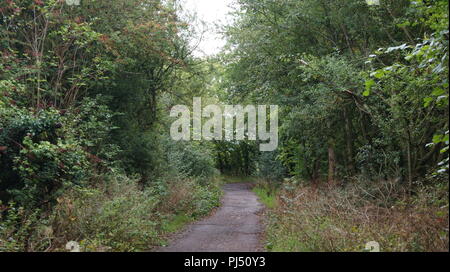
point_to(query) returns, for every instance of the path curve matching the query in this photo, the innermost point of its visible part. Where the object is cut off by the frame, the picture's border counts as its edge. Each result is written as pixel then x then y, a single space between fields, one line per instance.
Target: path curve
pixel 235 227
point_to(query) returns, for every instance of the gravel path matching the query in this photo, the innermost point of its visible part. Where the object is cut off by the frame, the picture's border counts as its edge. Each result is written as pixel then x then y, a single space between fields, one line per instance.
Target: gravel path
pixel 235 227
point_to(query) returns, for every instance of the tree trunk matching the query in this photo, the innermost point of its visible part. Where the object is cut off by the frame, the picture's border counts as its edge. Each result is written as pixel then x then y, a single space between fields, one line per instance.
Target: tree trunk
pixel 349 143
pixel 315 172
pixel 331 163
pixel 409 161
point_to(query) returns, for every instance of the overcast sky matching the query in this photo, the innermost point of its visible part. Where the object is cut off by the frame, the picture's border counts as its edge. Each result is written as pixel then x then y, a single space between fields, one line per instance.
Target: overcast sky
pixel 212 12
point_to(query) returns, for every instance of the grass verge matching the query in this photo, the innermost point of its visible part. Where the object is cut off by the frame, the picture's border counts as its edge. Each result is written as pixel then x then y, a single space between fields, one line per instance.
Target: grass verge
pixel 236 179
pixel 266 197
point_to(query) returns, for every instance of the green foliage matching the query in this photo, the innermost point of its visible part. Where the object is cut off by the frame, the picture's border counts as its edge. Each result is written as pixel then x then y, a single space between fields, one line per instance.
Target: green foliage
pixel 417 75
pixel 236 158
pixel 267 197
pixel 206 198
pixel 46 170
pixel 118 219
pixel 18 128
pixel 114 216
pixel 346 110
pixel 49 150
pixel 53 54
pixel 270 168
pixel 176 223
pixel 15 228
pixel 191 160
pixel 84 96
pixel 363 92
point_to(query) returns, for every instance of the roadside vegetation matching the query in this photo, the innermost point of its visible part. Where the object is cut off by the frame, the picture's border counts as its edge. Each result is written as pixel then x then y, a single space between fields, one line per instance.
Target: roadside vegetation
pixel 266 195
pixel 324 219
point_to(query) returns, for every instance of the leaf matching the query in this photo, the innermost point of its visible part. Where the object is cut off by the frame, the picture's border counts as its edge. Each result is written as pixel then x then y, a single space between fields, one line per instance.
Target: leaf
pixel 437 139
pixel 442 97
pixel 378 74
pixel 438 92
pixel 438 69
pixel 427 101
pixel 400 47
pixel 373 2
pixel 409 57
pixel 369 84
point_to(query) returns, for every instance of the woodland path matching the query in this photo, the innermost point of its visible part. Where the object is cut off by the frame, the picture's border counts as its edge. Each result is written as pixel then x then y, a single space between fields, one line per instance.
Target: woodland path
pixel 235 227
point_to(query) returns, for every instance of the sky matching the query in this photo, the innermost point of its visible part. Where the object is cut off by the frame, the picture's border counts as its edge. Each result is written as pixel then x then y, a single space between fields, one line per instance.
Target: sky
pixel 211 12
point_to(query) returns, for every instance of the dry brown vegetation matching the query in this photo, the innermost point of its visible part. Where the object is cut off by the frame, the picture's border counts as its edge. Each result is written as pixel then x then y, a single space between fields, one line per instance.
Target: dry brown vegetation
pixel 336 219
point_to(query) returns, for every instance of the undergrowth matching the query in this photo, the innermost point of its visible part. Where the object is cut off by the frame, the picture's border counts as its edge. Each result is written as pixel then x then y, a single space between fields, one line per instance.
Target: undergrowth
pixel 345 219
pixel 117 216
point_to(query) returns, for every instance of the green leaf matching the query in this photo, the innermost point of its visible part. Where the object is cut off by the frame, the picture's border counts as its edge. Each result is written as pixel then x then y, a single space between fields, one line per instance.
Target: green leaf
pixel 369 84
pixel 437 139
pixel 438 92
pixel 378 74
pixel 427 101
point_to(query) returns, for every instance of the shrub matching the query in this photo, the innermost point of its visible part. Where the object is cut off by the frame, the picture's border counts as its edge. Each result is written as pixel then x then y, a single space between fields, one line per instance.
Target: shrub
pixel 115 215
pixel 26 138
pixel 47 169
pixel 15 227
pixel 45 151
pixel 119 217
pixel 191 161
pixel 269 168
pixel 188 197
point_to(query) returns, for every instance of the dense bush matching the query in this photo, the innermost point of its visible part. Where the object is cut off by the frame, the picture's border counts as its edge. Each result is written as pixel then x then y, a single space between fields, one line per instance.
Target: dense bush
pixel 118 217
pixel 114 216
pixel 354 98
pixel 191 160
pixel 48 150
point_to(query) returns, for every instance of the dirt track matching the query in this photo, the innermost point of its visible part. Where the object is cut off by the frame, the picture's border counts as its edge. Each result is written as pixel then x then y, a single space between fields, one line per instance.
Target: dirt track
pixel 235 226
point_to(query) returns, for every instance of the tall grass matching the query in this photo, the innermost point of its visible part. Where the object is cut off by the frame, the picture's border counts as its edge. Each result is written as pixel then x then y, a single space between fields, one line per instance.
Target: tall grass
pixel 345 219
pixel 266 197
